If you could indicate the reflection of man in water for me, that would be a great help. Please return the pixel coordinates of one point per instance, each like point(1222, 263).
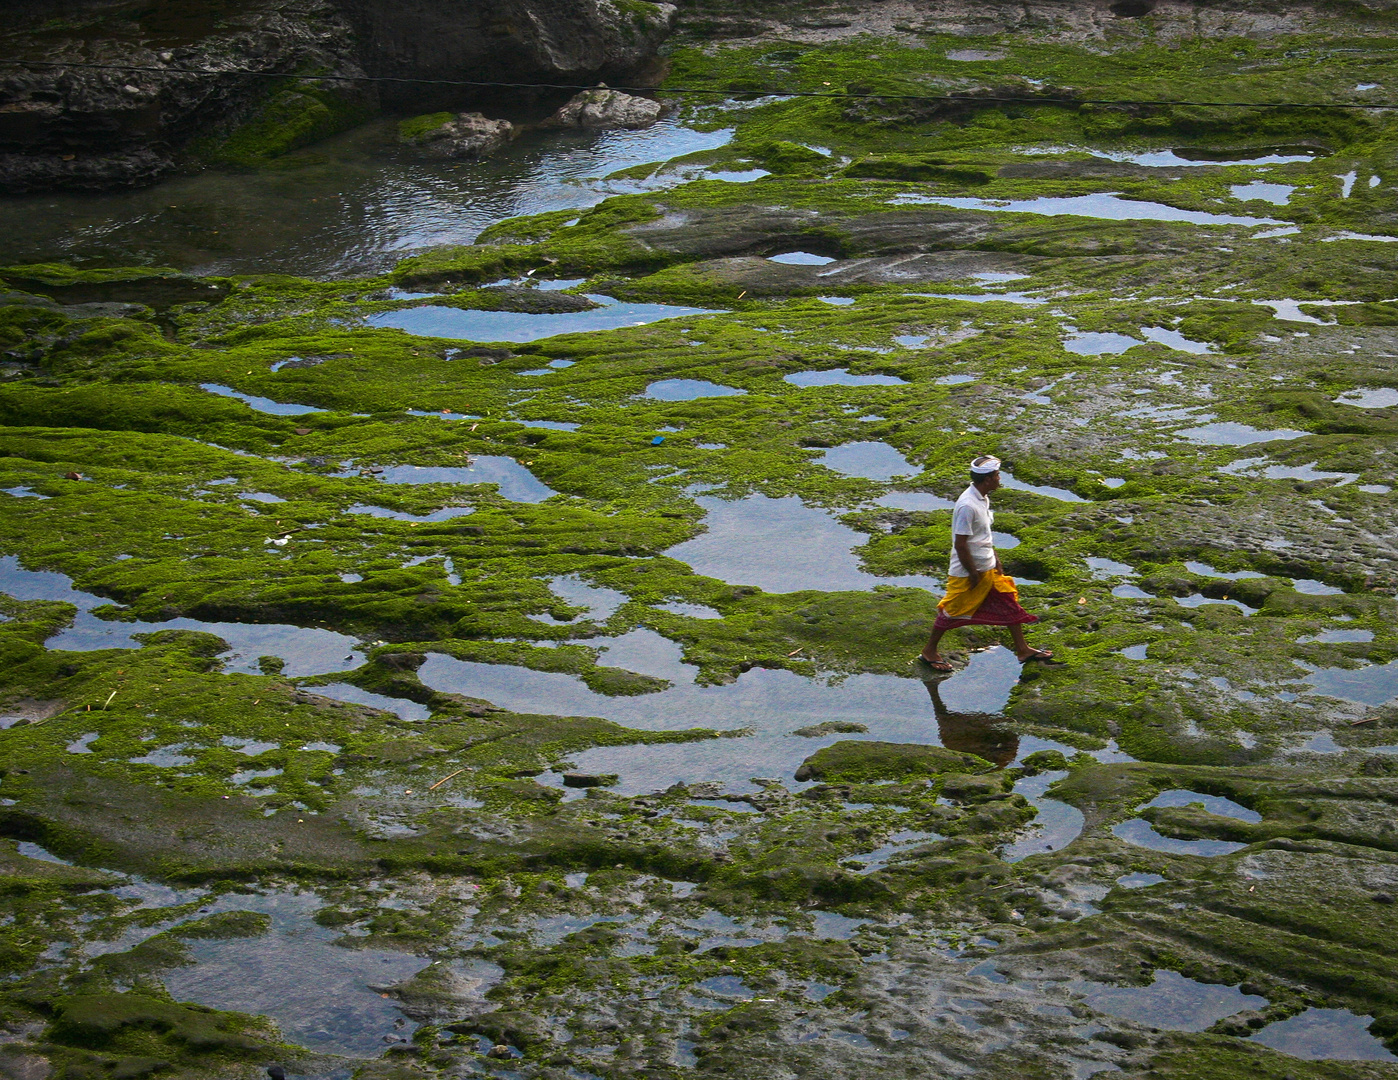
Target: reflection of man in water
point(979, 592)
point(972, 732)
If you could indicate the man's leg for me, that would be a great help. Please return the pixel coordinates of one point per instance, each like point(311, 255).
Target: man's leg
point(929, 652)
point(1022, 648)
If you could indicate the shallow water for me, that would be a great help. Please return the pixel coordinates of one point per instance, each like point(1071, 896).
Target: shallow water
point(1372, 685)
point(1175, 340)
point(1085, 344)
point(842, 377)
point(261, 404)
point(1214, 804)
point(1382, 397)
point(305, 650)
point(354, 204)
point(781, 545)
point(1007, 480)
point(1173, 159)
point(689, 390)
point(1057, 825)
point(801, 258)
point(444, 514)
point(1108, 206)
point(869, 460)
point(914, 500)
point(465, 324)
point(407, 710)
point(1173, 1001)
point(1325, 1034)
point(515, 482)
point(1228, 433)
point(1276, 194)
point(322, 996)
point(1140, 832)
point(771, 703)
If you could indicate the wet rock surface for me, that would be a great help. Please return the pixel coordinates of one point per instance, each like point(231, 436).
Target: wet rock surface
point(388, 705)
point(465, 135)
point(603, 108)
point(194, 83)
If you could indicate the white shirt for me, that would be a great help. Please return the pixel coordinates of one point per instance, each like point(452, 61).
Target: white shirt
point(973, 518)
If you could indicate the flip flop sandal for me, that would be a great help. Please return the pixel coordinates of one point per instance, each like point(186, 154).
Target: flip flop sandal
point(1042, 658)
point(941, 666)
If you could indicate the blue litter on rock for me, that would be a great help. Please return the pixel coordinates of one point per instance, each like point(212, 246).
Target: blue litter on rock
point(657, 440)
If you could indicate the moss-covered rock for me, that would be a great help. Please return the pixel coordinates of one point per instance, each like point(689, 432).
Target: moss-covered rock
point(864, 761)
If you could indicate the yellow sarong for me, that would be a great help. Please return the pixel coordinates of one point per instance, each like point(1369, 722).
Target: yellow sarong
point(962, 601)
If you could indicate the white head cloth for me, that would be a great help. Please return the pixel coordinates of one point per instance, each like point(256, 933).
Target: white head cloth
point(985, 466)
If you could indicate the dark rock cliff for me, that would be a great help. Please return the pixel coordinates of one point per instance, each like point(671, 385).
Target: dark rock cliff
point(523, 41)
point(284, 73)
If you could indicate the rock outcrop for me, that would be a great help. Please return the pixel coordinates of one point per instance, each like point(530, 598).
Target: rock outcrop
point(604, 108)
point(118, 94)
point(465, 135)
point(516, 41)
point(165, 83)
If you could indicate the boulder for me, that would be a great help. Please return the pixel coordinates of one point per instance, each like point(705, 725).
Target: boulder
point(467, 135)
point(603, 108)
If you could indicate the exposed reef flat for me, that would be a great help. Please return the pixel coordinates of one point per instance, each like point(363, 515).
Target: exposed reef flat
point(503, 664)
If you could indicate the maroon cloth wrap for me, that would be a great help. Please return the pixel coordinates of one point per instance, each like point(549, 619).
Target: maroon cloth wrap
point(999, 609)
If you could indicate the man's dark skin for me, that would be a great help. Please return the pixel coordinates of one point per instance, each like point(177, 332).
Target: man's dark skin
point(985, 485)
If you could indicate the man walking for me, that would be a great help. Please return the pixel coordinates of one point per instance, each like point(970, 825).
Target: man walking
point(979, 592)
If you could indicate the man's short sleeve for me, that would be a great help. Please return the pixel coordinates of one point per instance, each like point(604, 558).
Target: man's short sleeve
point(963, 521)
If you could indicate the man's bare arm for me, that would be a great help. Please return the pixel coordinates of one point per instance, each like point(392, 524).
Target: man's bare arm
point(962, 545)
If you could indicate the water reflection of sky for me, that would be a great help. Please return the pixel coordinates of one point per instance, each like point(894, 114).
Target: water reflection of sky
point(353, 204)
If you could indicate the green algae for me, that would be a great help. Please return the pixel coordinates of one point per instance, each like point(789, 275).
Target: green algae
point(423, 807)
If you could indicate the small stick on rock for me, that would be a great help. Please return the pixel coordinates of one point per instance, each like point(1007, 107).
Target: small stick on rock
point(444, 779)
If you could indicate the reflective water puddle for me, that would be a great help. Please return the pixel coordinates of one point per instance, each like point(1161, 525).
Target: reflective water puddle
point(355, 204)
point(781, 545)
point(464, 324)
point(1372, 685)
point(322, 996)
point(1109, 206)
point(1276, 194)
point(444, 514)
point(841, 377)
point(770, 703)
point(407, 710)
point(1214, 804)
point(914, 500)
point(1191, 157)
point(305, 650)
point(1140, 832)
point(1325, 1034)
point(801, 258)
point(1172, 1001)
point(869, 460)
point(1007, 480)
point(1175, 340)
point(261, 404)
point(1087, 344)
point(515, 482)
point(1056, 826)
point(1228, 433)
point(1383, 397)
point(689, 390)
